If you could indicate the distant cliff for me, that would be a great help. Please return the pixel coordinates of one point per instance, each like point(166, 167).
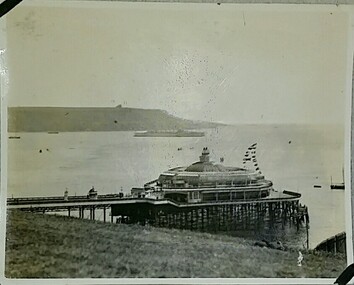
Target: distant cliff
point(60, 119)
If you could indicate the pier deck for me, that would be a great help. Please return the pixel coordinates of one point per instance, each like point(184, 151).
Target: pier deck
point(58, 203)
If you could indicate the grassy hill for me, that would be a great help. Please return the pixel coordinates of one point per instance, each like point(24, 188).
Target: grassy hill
point(44, 119)
point(46, 246)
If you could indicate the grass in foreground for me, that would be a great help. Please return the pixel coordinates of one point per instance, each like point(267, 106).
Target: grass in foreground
point(46, 246)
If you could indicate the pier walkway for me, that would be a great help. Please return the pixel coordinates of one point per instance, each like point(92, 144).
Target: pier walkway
point(58, 203)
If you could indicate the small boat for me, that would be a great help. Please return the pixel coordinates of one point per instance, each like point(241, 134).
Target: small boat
point(14, 137)
point(338, 186)
point(53, 133)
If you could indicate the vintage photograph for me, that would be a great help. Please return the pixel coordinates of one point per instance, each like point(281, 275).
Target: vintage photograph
point(176, 140)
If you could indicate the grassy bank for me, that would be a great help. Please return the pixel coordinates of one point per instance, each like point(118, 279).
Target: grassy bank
point(45, 246)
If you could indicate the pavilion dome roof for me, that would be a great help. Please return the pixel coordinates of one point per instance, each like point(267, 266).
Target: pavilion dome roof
point(206, 166)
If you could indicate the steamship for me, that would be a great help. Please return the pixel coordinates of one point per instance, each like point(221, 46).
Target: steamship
point(169, 133)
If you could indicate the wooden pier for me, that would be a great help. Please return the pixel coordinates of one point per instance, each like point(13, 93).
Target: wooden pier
point(264, 215)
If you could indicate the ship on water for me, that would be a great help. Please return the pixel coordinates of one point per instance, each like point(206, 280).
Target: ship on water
point(169, 133)
point(339, 185)
point(206, 181)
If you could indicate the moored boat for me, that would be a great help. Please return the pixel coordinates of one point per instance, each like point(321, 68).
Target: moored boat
point(340, 185)
point(337, 186)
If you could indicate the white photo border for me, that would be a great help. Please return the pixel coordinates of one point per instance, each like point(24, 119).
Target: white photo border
point(349, 11)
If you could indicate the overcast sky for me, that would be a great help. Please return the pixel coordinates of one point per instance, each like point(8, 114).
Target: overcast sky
point(225, 63)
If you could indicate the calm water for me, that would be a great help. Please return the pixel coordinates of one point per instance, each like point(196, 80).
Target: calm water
point(294, 157)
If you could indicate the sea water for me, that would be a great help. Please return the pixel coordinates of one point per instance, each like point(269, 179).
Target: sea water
point(294, 157)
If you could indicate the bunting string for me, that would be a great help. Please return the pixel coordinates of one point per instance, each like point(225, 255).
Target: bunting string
point(250, 158)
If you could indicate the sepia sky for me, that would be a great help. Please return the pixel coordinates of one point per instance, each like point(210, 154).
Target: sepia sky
point(226, 63)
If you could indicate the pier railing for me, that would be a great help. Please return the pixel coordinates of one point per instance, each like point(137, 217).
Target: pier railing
point(334, 244)
point(58, 201)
